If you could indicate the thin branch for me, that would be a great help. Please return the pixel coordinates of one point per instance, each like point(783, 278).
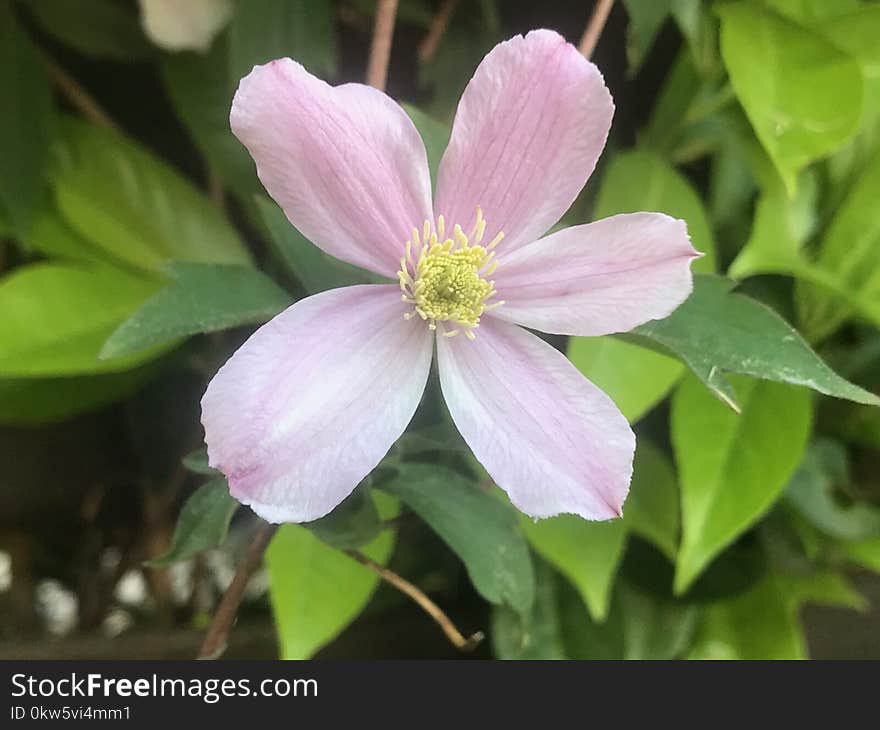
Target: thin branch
point(79, 98)
point(428, 46)
point(380, 50)
point(215, 639)
point(595, 27)
point(427, 605)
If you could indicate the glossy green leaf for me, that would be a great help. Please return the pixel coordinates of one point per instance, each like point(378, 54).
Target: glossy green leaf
point(777, 245)
point(587, 553)
point(201, 88)
point(315, 270)
point(660, 188)
point(807, 99)
point(200, 298)
point(817, 491)
point(732, 467)
point(56, 317)
point(850, 251)
point(315, 589)
point(482, 530)
point(781, 227)
point(635, 377)
point(351, 524)
point(640, 626)
point(96, 28)
point(203, 522)
point(26, 124)
point(763, 623)
point(124, 199)
point(263, 30)
point(652, 508)
point(53, 238)
point(716, 331)
point(535, 634)
point(38, 401)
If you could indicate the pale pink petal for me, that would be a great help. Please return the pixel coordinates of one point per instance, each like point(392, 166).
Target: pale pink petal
point(529, 128)
point(547, 436)
point(310, 404)
point(345, 163)
point(603, 277)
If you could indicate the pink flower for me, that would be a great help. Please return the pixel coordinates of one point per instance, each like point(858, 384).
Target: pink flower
point(313, 401)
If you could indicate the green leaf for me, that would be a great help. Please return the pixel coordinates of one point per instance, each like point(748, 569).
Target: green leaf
point(37, 401)
point(646, 17)
point(202, 524)
point(781, 227)
point(635, 378)
point(57, 316)
point(96, 28)
point(316, 590)
point(435, 135)
point(641, 625)
point(864, 552)
point(823, 471)
point(661, 188)
point(763, 622)
point(482, 530)
point(201, 298)
point(807, 98)
point(651, 510)
point(201, 88)
point(759, 624)
point(263, 30)
point(850, 251)
point(587, 553)
point(535, 634)
point(197, 462)
point(315, 270)
point(53, 238)
point(421, 441)
point(716, 331)
point(353, 523)
point(26, 124)
point(125, 200)
point(732, 467)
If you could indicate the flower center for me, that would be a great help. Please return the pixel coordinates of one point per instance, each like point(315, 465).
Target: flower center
point(445, 279)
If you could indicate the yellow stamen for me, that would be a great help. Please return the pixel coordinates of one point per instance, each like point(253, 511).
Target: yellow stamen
point(446, 279)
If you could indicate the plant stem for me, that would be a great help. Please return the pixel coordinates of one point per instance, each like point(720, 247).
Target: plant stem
point(595, 26)
point(380, 50)
point(79, 98)
point(428, 46)
point(215, 639)
point(427, 605)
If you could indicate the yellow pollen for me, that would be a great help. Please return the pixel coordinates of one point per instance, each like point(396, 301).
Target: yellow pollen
point(446, 279)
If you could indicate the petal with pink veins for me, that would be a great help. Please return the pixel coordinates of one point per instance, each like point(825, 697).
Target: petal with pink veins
point(529, 128)
point(595, 279)
point(310, 404)
point(345, 163)
point(547, 436)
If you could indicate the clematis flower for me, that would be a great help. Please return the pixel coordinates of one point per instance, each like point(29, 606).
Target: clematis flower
point(313, 401)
